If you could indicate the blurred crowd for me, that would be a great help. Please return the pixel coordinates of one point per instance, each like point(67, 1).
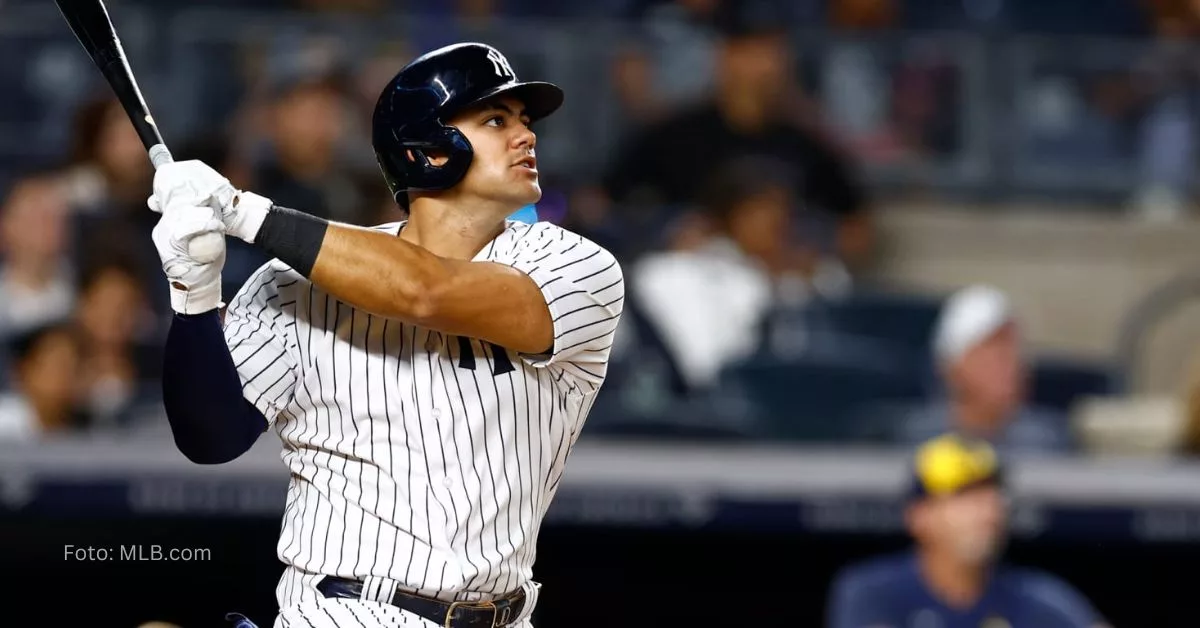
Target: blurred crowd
point(736, 198)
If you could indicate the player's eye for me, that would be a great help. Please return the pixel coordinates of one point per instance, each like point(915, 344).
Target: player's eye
point(496, 120)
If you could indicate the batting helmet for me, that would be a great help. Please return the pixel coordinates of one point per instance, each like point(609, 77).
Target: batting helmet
point(412, 112)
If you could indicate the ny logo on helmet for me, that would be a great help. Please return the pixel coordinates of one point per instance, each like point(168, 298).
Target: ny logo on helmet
point(500, 64)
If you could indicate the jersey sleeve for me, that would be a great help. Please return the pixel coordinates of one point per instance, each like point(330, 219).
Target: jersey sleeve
point(256, 331)
point(584, 288)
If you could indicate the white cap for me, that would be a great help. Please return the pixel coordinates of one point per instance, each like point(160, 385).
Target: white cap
point(969, 317)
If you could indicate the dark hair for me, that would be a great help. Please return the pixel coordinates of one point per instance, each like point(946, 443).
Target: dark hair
point(109, 260)
point(744, 178)
point(23, 344)
point(87, 124)
point(735, 19)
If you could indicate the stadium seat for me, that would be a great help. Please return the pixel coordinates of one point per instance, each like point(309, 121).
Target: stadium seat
point(1058, 383)
point(906, 320)
point(816, 397)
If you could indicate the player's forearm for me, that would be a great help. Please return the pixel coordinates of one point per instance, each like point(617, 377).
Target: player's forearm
point(202, 393)
point(371, 270)
point(379, 273)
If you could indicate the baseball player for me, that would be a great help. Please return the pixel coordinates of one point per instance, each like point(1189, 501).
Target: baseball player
point(427, 378)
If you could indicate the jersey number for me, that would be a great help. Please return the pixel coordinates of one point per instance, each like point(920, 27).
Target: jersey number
point(466, 357)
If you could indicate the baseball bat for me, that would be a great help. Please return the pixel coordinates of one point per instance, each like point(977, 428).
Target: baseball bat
point(90, 22)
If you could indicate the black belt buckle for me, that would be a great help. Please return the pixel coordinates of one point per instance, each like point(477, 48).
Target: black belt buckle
point(500, 617)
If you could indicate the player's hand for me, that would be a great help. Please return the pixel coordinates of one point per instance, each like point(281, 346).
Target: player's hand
point(196, 183)
point(190, 182)
point(195, 287)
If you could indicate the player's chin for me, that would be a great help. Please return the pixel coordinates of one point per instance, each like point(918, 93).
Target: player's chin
point(528, 191)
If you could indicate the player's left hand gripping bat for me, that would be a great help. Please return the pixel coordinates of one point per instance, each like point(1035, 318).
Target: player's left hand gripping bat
point(90, 22)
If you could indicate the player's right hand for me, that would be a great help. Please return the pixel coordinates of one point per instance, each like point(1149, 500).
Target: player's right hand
point(196, 183)
point(195, 286)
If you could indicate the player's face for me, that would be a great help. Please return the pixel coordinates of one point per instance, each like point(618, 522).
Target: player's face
point(504, 168)
point(971, 525)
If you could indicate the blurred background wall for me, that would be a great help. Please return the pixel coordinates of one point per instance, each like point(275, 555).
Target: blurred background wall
point(794, 189)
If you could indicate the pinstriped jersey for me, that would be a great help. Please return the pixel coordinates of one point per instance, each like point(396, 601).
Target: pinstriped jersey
point(416, 457)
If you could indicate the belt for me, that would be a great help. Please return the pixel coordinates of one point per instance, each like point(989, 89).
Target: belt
point(482, 614)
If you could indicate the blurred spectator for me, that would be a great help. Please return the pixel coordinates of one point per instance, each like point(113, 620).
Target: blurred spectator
point(120, 342)
point(890, 107)
point(671, 63)
point(107, 180)
point(305, 122)
point(708, 301)
point(108, 171)
point(854, 83)
point(956, 513)
point(1168, 98)
point(978, 353)
point(750, 113)
point(43, 399)
point(863, 15)
point(1175, 19)
point(36, 284)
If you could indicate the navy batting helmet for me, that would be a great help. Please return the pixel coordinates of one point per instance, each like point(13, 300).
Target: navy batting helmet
point(412, 112)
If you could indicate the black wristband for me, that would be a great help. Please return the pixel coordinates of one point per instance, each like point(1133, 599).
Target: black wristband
point(293, 237)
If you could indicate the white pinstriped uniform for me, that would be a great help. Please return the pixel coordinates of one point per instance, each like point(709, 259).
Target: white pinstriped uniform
point(418, 459)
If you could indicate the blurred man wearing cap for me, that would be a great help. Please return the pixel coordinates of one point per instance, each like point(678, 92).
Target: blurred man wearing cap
point(977, 347)
point(953, 578)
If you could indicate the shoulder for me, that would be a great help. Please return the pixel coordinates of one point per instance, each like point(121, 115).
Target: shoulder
point(873, 577)
point(542, 241)
point(1051, 594)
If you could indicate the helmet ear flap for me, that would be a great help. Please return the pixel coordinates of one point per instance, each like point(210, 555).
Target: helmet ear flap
point(456, 148)
point(408, 164)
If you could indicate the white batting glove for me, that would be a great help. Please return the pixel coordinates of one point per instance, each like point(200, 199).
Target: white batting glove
point(193, 182)
point(195, 287)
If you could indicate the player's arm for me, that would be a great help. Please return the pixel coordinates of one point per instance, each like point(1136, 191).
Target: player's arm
point(388, 276)
point(211, 421)
point(556, 298)
point(202, 392)
point(525, 306)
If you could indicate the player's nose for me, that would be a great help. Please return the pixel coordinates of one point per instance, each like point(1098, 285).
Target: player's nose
point(525, 138)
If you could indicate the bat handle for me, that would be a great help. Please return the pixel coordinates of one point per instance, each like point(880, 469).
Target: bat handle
point(159, 155)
